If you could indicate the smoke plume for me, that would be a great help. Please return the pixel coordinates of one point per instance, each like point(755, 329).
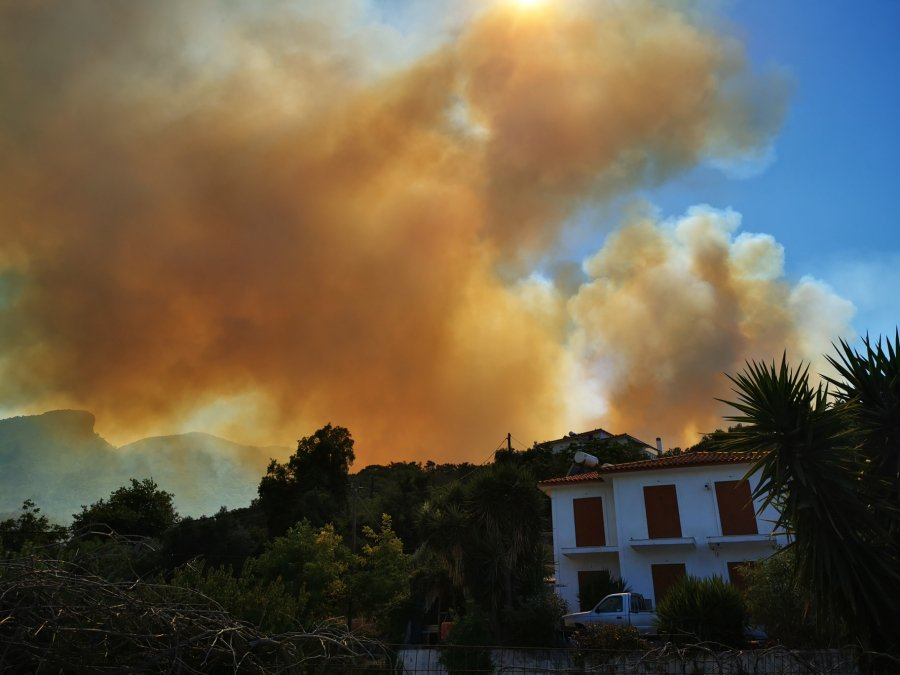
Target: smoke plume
point(256, 219)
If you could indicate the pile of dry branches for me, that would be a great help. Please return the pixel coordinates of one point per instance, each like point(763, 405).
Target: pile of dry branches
point(57, 616)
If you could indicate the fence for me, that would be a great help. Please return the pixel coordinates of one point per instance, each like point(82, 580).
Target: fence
point(665, 660)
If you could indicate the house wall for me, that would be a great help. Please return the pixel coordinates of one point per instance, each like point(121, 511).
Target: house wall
point(568, 558)
point(629, 553)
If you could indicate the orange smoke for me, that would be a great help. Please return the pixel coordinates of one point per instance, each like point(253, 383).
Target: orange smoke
point(256, 222)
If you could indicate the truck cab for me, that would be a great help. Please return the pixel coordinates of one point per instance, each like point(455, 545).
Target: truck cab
point(618, 609)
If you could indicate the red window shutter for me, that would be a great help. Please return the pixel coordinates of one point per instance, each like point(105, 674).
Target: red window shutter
point(661, 503)
point(735, 507)
point(589, 530)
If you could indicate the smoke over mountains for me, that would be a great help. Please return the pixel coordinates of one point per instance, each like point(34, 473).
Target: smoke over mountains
point(258, 218)
point(57, 460)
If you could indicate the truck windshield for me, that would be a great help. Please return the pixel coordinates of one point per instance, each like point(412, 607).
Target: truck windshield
point(610, 604)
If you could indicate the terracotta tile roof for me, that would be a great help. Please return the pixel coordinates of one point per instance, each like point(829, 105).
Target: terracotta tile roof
point(675, 462)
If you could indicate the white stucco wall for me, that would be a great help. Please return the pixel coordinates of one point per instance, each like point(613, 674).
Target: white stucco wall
point(625, 516)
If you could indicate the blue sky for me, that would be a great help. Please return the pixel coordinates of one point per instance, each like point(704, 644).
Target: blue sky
point(830, 195)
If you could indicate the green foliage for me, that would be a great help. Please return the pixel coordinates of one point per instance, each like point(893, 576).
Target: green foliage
point(831, 464)
point(704, 610)
point(312, 484)
point(597, 586)
point(30, 530)
point(487, 534)
point(467, 647)
point(399, 490)
point(540, 460)
point(776, 600)
point(613, 450)
point(265, 604)
point(535, 621)
point(226, 539)
point(380, 578)
point(610, 638)
point(139, 510)
point(312, 564)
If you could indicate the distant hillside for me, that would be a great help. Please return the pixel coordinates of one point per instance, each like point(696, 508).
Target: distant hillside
point(58, 460)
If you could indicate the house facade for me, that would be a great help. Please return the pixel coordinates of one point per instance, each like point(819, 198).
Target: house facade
point(651, 522)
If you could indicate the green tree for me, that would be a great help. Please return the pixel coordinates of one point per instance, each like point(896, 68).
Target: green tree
point(29, 529)
point(141, 509)
point(225, 539)
point(312, 484)
point(487, 535)
point(614, 450)
point(776, 600)
point(380, 578)
point(313, 564)
point(829, 461)
point(266, 604)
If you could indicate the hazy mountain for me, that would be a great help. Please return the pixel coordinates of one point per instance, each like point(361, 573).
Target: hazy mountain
point(58, 460)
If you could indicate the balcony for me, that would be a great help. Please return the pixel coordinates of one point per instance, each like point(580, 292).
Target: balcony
point(716, 543)
point(675, 543)
point(578, 551)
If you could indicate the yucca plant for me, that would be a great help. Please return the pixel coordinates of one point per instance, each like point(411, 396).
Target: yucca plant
point(703, 610)
point(829, 460)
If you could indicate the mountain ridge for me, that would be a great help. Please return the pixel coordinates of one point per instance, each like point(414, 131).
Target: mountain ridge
point(57, 459)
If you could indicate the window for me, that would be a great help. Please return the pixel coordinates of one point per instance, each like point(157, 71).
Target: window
point(661, 504)
point(735, 507)
point(589, 530)
point(613, 604)
point(664, 577)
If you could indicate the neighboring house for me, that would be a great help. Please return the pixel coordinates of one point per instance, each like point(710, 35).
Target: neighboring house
point(575, 441)
point(653, 521)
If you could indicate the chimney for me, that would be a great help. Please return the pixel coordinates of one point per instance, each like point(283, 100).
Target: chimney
point(659, 449)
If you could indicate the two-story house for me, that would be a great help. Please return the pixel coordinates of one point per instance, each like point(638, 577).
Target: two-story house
point(651, 522)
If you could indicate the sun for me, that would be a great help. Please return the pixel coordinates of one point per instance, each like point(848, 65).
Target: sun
point(528, 4)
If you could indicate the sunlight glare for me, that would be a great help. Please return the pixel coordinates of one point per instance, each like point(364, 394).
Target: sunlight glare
point(528, 4)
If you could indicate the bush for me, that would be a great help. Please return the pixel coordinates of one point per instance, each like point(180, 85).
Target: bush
point(610, 638)
point(777, 601)
point(535, 622)
point(467, 648)
point(267, 605)
point(703, 610)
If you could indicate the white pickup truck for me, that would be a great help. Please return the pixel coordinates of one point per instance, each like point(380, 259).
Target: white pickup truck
point(622, 609)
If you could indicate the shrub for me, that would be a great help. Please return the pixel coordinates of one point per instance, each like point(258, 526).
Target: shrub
point(777, 601)
point(467, 648)
point(535, 622)
point(705, 610)
point(610, 638)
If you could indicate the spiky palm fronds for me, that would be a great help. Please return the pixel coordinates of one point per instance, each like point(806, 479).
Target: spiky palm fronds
point(815, 457)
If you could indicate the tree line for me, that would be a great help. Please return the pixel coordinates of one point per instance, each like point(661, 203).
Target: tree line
point(392, 551)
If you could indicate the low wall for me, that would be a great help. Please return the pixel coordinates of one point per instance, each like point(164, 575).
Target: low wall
point(663, 661)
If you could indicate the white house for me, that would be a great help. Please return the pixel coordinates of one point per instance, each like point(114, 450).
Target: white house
point(653, 521)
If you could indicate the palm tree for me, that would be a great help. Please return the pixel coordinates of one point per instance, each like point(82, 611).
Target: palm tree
point(829, 461)
point(486, 533)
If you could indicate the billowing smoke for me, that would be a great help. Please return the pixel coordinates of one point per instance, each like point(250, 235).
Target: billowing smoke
point(672, 306)
point(257, 218)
